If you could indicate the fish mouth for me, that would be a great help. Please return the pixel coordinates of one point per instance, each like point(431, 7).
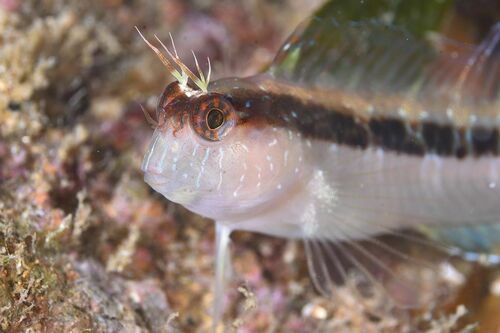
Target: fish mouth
point(155, 179)
point(171, 190)
point(162, 184)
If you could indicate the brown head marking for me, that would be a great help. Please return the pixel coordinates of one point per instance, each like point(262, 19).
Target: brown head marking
point(211, 115)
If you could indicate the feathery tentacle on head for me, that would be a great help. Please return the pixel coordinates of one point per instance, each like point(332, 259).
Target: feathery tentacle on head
point(151, 121)
point(183, 73)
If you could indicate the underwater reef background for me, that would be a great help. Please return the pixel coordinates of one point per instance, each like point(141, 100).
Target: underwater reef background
point(86, 246)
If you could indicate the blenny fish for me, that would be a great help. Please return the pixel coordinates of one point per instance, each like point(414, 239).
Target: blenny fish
point(357, 129)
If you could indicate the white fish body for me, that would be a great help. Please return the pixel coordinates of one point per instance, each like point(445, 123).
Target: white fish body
point(282, 166)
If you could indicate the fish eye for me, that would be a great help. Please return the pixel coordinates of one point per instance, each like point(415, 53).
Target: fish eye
point(215, 118)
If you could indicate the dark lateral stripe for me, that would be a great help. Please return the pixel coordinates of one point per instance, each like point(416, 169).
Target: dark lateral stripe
point(440, 139)
point(484, 140)
point(342, 127)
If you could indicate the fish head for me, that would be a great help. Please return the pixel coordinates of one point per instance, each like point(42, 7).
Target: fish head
point(216, 154)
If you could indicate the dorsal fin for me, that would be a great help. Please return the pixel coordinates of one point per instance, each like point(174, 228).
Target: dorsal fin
point(480, 77)
point(381, 62)
point(357, 55)
point(415, 16)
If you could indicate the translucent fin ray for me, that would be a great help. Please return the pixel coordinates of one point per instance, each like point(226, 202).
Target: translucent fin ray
point(396, 265)
point(481, 73)
point(381, 62)
point(222, 262)
point(370, 268)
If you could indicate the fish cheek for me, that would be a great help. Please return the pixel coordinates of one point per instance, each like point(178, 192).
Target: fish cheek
point(271, 159)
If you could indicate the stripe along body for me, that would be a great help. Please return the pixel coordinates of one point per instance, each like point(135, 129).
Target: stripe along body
point(356, 130)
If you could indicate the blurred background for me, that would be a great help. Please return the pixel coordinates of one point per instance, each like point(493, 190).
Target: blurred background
point(86, 246)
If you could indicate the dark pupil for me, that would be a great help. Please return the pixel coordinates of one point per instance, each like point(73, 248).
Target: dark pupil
point(215, 118)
